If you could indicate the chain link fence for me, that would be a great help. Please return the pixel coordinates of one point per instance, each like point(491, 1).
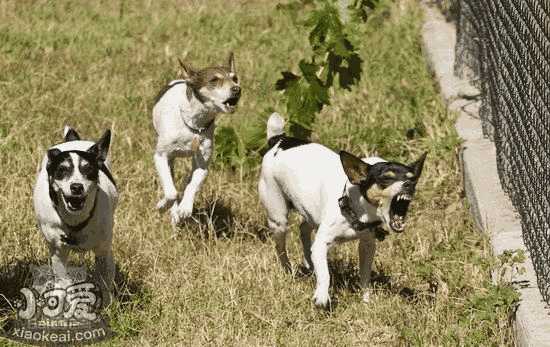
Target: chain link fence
point(503, 47)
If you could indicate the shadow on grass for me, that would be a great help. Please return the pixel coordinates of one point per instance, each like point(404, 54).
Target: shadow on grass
point(13, 276)
point(126, 290)
point(18, 274)
point(345, 277)
point(217, 220)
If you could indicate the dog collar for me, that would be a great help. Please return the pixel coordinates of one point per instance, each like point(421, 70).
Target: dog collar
point(348, 212)
point(199, 131)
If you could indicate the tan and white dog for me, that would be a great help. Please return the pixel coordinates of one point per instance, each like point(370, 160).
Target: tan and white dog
point(345, 198)
point(184, 118)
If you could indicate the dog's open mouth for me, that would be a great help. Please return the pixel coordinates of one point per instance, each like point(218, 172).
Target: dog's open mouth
point(398, 211)
point(75, 203)
point(231, 103)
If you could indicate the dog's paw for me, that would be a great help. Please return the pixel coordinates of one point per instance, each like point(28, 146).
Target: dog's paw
point(175, 217)
point(185, 209)
point(321, 300)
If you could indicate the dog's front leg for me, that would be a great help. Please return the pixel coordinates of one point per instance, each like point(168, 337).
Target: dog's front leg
point(198, 175)
point(163, 166)
point(58, 258)
point(319, 252)
point(367, 248)
point(305, 237)
point(105, 271)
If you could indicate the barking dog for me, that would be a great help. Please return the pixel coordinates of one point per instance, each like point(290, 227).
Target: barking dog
point(183, 117)
point(341, 196)
point(75, 198)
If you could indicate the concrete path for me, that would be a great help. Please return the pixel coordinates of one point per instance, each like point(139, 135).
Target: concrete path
point(491, 208)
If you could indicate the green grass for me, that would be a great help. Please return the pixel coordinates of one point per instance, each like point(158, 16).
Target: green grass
point(97, 65)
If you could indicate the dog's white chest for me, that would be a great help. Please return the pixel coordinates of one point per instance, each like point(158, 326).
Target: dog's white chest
point(187, 144)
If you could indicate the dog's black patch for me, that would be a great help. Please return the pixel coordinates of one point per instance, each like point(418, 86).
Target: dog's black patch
point(286, 142)
point(58, 172)
point(72, 135)
point(166, 88)
point(69, 239)
point(376, 175)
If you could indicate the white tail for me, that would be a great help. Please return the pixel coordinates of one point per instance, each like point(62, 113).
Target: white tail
point(275, 125)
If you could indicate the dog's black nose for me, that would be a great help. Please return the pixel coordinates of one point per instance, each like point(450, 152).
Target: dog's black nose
point(77, 188)
point(236, 90)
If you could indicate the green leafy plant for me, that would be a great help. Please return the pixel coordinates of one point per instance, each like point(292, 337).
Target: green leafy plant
point(510, 263)
point(334, 61)
point(497, 300)
point(334, 57)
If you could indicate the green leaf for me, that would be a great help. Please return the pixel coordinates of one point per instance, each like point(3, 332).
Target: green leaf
point(287, 79)
point(227, 145)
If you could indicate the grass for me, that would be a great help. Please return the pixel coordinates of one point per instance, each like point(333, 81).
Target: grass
point(97, 65)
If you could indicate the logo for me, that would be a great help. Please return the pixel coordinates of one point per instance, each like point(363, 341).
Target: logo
point(58, 311)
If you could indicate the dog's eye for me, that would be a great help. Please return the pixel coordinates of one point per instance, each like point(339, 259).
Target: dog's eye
point(86, 169)
point(214, 79)
point(62, 172)
point(385, 181)
point(235, 79)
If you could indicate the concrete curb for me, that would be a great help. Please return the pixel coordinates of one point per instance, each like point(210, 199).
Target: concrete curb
point(491, 208)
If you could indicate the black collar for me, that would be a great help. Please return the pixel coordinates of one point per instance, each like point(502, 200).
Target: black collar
point(351, 216)
point(199, 131)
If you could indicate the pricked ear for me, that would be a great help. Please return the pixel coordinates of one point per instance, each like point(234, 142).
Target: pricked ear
point(52, 156)
point(53, 153)
point(231, 63)
point(356, 169)
point(187, 71)
point(101, 147)
point(418, 165)
point(70, 134)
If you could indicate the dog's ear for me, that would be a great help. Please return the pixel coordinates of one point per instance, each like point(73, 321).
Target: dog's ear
point(52, 156)
point(70, 134)
point(101, 147)
point(418, 165)
point(53, 153)
point(356, 169)
point(187, 71)
point(231, 62)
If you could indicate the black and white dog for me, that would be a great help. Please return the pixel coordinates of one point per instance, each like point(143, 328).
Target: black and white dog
point(341, 196)
point(183, 117)
point(75, 197)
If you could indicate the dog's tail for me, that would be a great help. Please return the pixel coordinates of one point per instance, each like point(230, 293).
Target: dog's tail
point(275, 125)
